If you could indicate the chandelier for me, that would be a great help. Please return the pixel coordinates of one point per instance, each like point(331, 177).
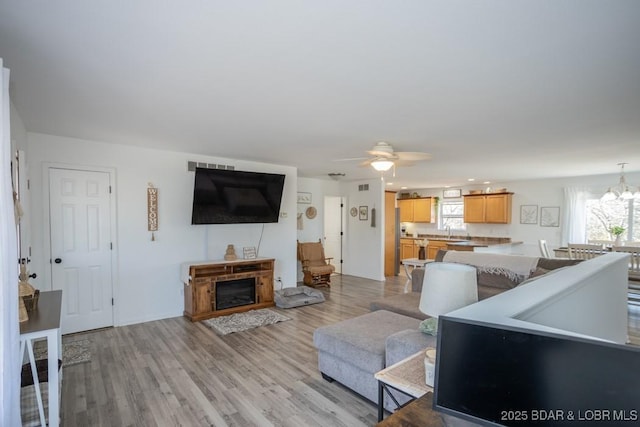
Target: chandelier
point(621, 190)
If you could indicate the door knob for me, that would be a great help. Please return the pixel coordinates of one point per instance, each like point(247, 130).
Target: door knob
point(57, 260)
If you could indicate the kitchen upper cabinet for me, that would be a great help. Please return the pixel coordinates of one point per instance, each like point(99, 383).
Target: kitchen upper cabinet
point(488, 208)
point(415, 210)
point(474, 209)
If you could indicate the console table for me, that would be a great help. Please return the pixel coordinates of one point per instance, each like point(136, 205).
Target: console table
point(44, 322)
point(203, 281)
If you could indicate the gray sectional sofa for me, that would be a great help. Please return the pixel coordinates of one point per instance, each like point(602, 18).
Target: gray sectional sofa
point(353, 350)
point(489, 284)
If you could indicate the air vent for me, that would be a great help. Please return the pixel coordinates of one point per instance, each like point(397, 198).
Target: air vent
point(363, 187)
point(191, 166)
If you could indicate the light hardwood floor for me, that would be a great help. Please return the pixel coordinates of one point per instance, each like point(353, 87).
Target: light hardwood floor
point(173, 372)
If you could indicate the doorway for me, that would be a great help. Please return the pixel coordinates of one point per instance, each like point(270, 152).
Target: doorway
point(80, 230)
point(333, 230)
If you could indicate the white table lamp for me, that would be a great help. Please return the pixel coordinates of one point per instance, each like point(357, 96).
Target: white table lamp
point(446, 287)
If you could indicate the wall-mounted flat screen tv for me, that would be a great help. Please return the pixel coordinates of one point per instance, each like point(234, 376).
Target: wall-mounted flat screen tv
point(222, 196)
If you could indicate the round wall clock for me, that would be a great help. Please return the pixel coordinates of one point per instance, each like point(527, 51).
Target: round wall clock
point(311, 212)
point(354, 211)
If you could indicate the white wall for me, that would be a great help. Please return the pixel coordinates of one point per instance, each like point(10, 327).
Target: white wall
point(147, 282)
point(313, 229)
point(364, 249)
point(544, 192)
point(19, 142)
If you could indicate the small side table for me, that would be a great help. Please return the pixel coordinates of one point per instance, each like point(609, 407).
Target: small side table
point(413, 263)
point(407, 376)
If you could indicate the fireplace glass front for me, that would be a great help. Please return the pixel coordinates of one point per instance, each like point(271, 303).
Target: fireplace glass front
point(234, 293)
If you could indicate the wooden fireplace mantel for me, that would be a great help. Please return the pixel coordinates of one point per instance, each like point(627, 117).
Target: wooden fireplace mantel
point(201, 278)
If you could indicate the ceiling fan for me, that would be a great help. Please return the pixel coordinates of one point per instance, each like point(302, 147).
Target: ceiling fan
point(383, 157)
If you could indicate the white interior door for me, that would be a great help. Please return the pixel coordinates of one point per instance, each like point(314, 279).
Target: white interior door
point(333, 207)
point(80, 227)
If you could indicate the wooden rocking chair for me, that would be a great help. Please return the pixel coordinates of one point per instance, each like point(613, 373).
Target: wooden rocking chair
point(316, 268)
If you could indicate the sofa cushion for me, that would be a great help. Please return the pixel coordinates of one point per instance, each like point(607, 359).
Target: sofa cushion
point(361, 340)
point(553, 263)
point(405, 343)
point(485, 279)
point(405, 304)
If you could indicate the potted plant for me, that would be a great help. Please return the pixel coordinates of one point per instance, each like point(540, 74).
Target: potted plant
point(617, 230)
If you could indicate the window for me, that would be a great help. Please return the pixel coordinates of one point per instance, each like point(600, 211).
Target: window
point(452, 215)
point(601, 216)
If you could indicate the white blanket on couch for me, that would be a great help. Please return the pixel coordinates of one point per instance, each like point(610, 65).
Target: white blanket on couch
point(506, 265)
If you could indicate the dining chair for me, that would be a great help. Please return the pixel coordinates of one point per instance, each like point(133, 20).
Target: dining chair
point(634, 261)
point(584, 251)
point(601, 242)
point(544, 249)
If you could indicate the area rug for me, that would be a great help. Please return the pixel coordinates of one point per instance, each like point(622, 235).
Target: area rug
point(73, 352)
point(243, 321)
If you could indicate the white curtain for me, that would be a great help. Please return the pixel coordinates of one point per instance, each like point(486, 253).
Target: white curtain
point(9, 330)
point(574, 215)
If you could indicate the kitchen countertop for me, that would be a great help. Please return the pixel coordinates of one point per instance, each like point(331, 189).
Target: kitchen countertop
point(481, 244)
point(475, 241)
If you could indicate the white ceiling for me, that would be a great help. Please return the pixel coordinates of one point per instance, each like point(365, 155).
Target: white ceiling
point(495, 90)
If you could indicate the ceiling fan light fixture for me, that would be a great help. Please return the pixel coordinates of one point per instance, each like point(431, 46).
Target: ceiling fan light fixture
point(382, 165)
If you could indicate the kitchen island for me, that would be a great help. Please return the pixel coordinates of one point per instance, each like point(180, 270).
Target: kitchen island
point(471, 245)
point(459, 243)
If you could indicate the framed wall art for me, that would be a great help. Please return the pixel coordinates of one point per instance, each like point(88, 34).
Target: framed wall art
point(550, 216)
point(364, 213)
point(304, 198)
point(451, 194)
point(528, 214)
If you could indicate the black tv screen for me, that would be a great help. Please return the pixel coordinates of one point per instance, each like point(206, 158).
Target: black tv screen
point(506, 376)
point(222, 196)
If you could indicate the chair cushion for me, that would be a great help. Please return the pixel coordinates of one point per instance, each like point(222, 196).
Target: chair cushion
point(324, 269)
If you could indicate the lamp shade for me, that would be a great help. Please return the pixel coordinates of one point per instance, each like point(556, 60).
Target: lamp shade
point(446, 287)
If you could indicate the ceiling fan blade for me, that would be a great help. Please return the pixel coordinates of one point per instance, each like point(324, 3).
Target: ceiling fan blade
point(386, 154)
point(366, 163)
point(349, 159)
point(413, 156)
point(403, 163)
